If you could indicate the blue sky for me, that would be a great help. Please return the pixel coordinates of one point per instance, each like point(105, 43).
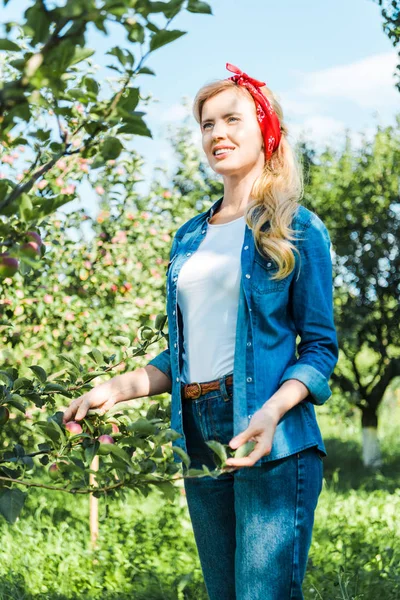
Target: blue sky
point(330, 64)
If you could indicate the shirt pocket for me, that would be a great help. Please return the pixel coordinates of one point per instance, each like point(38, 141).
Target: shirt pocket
point(263, 271)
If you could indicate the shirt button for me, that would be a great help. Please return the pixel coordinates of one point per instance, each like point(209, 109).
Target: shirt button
point(247, 276)
point(175, 345)
point(188, 253)
point(173, 312)
point(203, 231)
point(246, 247)
point(249, 416)
point(175, 278)
point(180, 412)
point(249, 343)
point(177, 378)
point(269, 264)
point(249, 380)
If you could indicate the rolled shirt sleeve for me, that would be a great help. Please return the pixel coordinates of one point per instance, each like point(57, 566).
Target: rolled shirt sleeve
point(311, 308)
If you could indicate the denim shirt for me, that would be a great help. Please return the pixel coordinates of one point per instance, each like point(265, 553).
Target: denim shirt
point(271, 314)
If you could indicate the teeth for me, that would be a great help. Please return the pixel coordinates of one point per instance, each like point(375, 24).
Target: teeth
point(223, 150)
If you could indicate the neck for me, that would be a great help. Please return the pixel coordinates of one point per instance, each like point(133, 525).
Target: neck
point(237, 191)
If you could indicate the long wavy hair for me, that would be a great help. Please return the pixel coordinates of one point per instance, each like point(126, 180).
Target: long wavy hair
point(275, 193)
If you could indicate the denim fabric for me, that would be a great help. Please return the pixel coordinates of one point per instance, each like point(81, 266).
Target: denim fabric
point(271, 314)
point(252, 526)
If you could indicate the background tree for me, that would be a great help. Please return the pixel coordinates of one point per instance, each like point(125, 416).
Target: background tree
point(64, 127)
point(391, 26)
point(356, 193)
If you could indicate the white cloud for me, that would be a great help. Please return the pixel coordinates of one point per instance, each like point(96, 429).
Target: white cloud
point(369, 82)
point(318, 128)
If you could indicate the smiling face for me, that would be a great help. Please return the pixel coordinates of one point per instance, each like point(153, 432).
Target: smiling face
point(229, 121)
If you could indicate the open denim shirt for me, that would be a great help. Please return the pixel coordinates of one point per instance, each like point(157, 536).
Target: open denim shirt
point(270, 316)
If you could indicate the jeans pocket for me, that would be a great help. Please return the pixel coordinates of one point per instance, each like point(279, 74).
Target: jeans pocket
point(220, 413)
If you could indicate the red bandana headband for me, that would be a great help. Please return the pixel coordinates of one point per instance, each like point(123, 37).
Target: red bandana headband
point(266, 116)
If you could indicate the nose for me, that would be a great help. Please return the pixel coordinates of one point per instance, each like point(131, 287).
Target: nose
point(218, 132)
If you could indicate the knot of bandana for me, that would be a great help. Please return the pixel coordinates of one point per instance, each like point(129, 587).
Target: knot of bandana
point(266, 116)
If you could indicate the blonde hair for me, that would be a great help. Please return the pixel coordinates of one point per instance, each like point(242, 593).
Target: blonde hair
point(275, 192)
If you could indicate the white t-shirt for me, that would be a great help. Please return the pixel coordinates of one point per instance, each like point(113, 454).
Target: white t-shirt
point(208, 297)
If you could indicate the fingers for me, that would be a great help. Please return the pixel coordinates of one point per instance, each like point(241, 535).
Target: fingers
point(73, 410)
point(107, 406)
point(82, 410)
point(258, 452)
point(69, 413)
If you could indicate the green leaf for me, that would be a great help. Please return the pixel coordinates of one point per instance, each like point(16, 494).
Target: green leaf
point(182, 454)
point(96, 355)
point(146, 71)
point(135, 126)
point(56, 387)
point(72, 361)
point(11, 503)
point(90, 452)
point(136, 33)
point(121, 340)
point(92, 85)
point(21, 382)
point(142, 427)
point(195, 6)
point(219, 450)
point(25, 208)
point(152, 412)
point(50, 429)
point(15, 402)
point(129, 101)
point(160, 321)
point(164, 37)
point(168, 489)
point(245, 449)
point(6, 378)
point(39, 372)
point(119, 453)
point(111, 148)
point(81, 54)
point(8, 45)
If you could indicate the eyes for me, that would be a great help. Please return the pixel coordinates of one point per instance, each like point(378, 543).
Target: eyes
point(206, 124)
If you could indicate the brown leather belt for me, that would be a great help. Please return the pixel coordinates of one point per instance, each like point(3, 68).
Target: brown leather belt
point(192, 391)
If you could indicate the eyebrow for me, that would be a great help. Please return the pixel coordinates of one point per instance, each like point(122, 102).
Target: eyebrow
point(230, 114)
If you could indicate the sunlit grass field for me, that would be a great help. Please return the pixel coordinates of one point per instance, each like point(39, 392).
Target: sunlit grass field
point(147, 551)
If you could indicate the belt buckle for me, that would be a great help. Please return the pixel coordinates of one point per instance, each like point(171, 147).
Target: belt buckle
point(199, 394)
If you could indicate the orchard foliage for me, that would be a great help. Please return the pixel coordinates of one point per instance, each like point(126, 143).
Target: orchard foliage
point(66, 128)
point(390, 10)
point(54, 109)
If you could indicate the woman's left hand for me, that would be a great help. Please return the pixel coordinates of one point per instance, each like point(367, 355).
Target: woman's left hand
point(261, 429)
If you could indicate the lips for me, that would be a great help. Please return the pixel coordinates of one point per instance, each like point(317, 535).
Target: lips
point(223, 151)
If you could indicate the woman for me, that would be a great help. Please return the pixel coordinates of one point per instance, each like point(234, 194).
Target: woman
point(244, 279)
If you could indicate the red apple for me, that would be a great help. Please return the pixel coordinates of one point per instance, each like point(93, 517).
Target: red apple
point(30, 249)
point(8, 265)
point(106, 441)
point(73, 427)
point(115, 428)
point(4, 415)
point(34, 237)
point(54, 471)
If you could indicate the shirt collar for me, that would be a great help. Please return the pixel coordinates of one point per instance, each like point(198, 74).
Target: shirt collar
point(213, 209)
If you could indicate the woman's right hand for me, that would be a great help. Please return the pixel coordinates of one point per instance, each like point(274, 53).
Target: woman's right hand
point(99, 398)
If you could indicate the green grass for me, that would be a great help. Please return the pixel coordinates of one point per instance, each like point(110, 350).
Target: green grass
point(147, 550)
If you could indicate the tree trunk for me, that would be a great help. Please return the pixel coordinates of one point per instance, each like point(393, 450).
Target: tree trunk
point(371, 447)
point(94, 505)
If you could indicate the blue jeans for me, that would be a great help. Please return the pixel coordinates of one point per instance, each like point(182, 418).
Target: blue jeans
point(252, 526)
